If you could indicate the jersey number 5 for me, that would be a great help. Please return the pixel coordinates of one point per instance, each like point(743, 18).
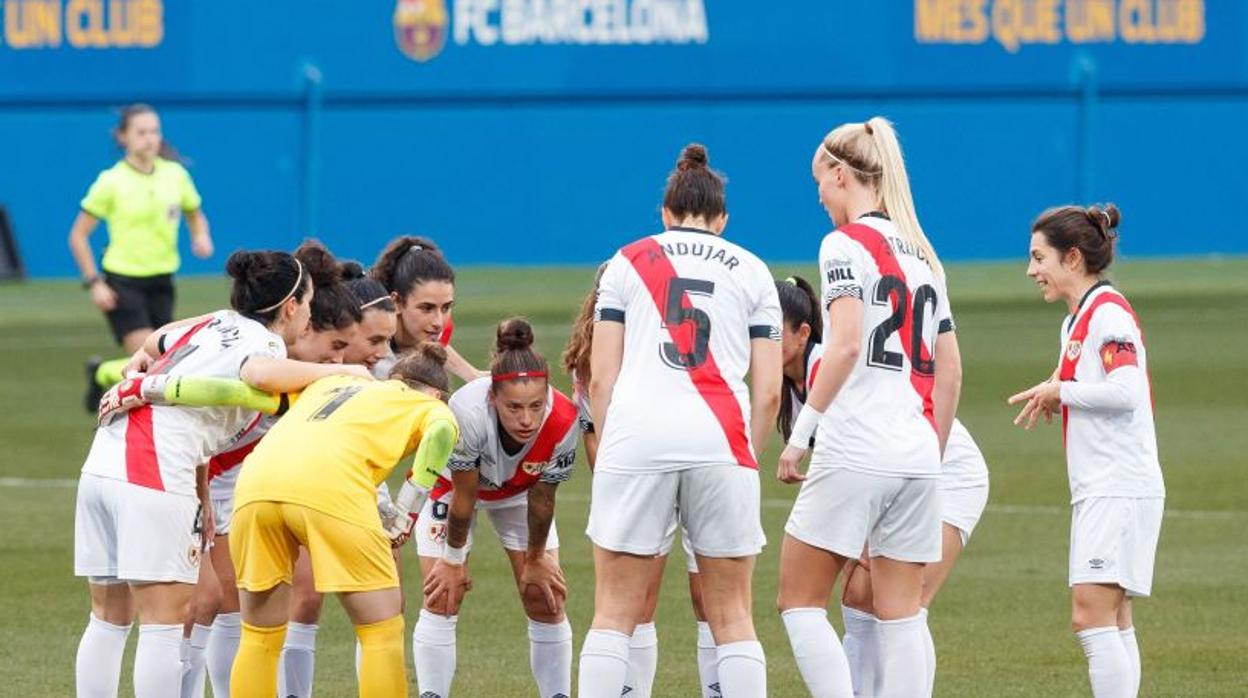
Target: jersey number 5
point(680, 319)
point(891, 289)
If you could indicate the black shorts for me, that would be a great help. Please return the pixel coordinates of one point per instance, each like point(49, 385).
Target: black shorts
point(142, 301)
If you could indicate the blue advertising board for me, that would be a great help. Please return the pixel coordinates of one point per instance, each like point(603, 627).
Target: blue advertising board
point(540, 131)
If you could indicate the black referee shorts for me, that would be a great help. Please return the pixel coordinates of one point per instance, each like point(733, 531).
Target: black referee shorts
point(142, 301)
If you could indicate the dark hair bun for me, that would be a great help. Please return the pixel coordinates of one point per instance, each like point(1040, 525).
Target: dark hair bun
point(241, 263)
point(693, 157)
point(432, 351)
point(351, 270)
point(515, 334)
point(1106, 218)
point(319, 263)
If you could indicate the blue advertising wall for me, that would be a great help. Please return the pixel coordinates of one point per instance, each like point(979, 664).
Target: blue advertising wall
point(541, 131)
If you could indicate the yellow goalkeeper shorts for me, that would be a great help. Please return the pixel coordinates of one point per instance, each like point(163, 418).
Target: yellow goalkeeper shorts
point(265, 539)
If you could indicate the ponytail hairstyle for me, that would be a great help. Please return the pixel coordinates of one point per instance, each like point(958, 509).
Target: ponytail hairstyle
point(514, 358)
point(1092, 230)
point(333, 305)
point(872, 154)
point(799, 305)
point(409, 261)
point(167, 151)
point(369, 293)
point(576, 353)
point(693, 188)
point(263, 281)
point(424, 365)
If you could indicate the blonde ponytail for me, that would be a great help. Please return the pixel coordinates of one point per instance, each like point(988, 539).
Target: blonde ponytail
point(872, 152)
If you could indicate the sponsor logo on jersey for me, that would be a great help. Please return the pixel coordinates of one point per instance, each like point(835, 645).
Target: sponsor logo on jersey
point(533, 468)
point(836, 274)
point(1073, 349)
point(420, 28)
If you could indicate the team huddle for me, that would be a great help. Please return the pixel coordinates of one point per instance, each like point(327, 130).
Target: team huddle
point(238, 471)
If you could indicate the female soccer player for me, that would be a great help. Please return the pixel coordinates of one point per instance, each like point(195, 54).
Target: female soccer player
point(681, 316)
point(312, 483)
point(422, 284)
point(883, 401)
point(334, 318)
point(643, 646)
point(142, 198)
point(517, 442)
point(136, 521)
point(963, 489)
point(1103, 393)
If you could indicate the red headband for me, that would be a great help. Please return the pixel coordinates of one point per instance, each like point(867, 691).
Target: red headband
point(518, 374)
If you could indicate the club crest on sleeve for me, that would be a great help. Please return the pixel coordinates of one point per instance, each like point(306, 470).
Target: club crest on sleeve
point(534, 467)
point(1074, 349)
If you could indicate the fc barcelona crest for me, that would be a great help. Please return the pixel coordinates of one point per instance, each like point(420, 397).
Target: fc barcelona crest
point(1073, 349)
point(420, 28)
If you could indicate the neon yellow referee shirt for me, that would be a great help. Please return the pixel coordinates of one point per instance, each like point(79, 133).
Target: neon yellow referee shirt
point(143, 212)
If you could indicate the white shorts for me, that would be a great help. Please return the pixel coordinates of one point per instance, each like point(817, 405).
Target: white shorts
point(718, 507)
point(511, 523)
point(962, 507)
point(222, 512)
point(1113, 540)
point(134, 534)
point(691, 562)
point(840, 510)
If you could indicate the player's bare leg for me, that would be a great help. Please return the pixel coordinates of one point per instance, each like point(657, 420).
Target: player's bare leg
point(265, 614)
point(378, 622)
point(227, 629)
point(98, 663)
point(1095, 613)
point(298, 662)
point(162, 608)
point(728, 602)
point(643, 645)
point(550, 634)
point(433, 639)
point(205, 602)
point(621, 581)
point(807, 575)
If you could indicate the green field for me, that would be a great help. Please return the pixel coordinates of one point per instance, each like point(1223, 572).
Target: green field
point(1001, 626)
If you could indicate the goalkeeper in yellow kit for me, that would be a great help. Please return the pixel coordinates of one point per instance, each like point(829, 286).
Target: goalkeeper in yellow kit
point(312, 482)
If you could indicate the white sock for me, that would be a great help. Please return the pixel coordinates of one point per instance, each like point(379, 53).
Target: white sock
point(862, 648)
point(1132, 647)
point(604, 664)
point(820, 659)
point(359, 656)
point(929, 654)
point(194, 663)
point(902, 666)
point(433, 644)
point(707, 659)
point(298, 661)
point(742, 669)
point(550, 657)
point(158, 661)
point(643, 660)
point(98, 667)
point(227, 629)
point(1108, 666)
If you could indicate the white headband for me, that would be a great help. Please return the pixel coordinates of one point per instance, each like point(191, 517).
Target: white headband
point(826, 151)
point(374, 301)
point(298, 283)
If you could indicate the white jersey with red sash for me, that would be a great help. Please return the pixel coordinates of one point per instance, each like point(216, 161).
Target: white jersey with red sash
point(691, 303)
point(223, 468)
point(159, 446)
point(505, 477)
point(881, 421)
point(1107, 411)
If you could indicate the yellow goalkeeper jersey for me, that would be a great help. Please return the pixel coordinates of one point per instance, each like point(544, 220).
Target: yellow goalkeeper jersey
point(340, 439)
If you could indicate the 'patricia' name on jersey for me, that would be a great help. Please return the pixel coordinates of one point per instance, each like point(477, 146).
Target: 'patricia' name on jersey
point(707, 252)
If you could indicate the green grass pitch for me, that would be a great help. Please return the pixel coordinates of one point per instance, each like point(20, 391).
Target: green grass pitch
point(1001, 625)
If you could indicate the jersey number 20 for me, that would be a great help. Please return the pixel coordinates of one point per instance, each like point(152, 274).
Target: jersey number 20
point(677, 317)
point(891, 289)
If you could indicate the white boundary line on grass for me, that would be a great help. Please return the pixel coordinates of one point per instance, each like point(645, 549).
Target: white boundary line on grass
point(770, 503)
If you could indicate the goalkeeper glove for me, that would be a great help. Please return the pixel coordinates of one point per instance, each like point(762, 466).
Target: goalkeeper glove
point(401, 517)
